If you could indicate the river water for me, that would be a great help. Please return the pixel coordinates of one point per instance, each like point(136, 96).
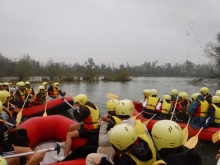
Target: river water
point(132, 90)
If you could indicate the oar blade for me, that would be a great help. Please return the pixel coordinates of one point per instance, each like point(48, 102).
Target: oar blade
point(191, 143)
point(216, 136)
point(185, 134)
point(112, 96)
point(45, 113)
point(18, 118)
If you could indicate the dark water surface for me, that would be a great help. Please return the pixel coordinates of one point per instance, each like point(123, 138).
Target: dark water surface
point(133, 90)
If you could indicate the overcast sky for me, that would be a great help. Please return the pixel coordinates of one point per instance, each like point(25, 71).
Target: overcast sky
point(109, 31)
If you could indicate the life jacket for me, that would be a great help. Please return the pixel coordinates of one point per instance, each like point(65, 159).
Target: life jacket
point(91, 122)
point(36, 100)
point(149, 162)
point(188, 103)
point(202, 110)
point(152, 103)
point(54, 93)
point(165, 107)
point(117, 120)
point(29, 90)
point(217, 114)
point(22, 95)
point(139, 128)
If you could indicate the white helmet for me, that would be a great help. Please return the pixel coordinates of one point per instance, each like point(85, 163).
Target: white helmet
point(217, 93)
point(167, 134)
point(122, 136)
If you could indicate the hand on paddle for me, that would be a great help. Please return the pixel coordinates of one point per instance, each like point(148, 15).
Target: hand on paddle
point(218, 155)
point(37, 157)
point(106, 118)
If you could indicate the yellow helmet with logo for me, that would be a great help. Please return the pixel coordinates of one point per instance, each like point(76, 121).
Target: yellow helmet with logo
point(146, 92)
point(217, 93)
point(153, 92)
point(166, 97)
point(215, 99)
point(44, 83)
point(195, 95)
point(167, 134)
point(204, 90)
point(81, 99)
point(124, 108)
point(27, 83)
point(174, 92)
point(3, 161)
point(111, 105)
point(3, 96)
point(41, 87)
point(1, 107)
point(122, 136)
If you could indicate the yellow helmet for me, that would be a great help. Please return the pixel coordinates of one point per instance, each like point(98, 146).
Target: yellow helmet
point(1, 107)
point(215, 99)
point(81, 99)
point(3, 96)
point(40, 88)
point(3, 161)
point(217, 93)
point(195, 95)
point(166, 97)
point(153, 92)
point(6, 84)
point(167, 134)
point(122, 136)
point(204, 90)
point(56, 84)
point(174, 92)
point(44, 83)
point(21, 84)
point(27, 83)
point(182, 94)
point(146, 92)
point(185, 95)
point(18, 84)
point(124, 108)
point(111, 104)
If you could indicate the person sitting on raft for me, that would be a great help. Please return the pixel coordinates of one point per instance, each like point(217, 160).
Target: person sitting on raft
point(164, 107)
point(21, 97)
point(204, 91)
point(54, 91)
point(39, 97)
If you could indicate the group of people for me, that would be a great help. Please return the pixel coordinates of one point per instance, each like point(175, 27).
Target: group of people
point(117, 137)
point(202, 111)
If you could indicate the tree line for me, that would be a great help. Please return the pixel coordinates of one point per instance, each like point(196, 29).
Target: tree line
point(25, 66)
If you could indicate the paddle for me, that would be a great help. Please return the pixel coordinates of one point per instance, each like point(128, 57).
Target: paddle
point(191, 143)
point(134, 117)
point(216, 136)
point(147, 121)
point(174, 108)
point(113, 96)
point(57, 148)
point(65, 91)
point(186, 132)
point(67, 102)
point(19, 115)
point(45, 110)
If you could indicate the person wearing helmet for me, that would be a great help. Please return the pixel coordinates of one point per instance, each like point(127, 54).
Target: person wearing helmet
point(152, 101)
point(168, 139)
point(217, 93)
point(124, 111)
point(205, 93)
point(9, 113)
point(86, 112)
point(54, 91)
point(45, 86)
point(213, 113)
point(181, 111)
point(92, 144)
point(39, 97)
point(198, 110)
point(127, 145)
point(174, 94)
point(164, 107)
point(20, 97)
point(6, 86)
point(146, 93)
point(1, 87)
point(29, 89)
point(7, 145)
